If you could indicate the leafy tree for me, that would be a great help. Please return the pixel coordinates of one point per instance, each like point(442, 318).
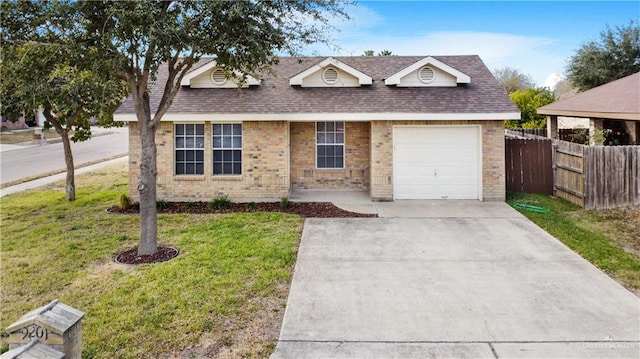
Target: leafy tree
point(141, 36)
point(65, 79)
point(512, 79)
point(615, 55)
point(528, 101)
point(381, 53)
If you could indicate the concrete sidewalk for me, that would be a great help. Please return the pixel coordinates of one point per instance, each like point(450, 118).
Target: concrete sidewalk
point(58, 177)
point(468, 286)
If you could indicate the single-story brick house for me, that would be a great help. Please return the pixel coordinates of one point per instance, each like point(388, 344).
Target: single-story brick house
point(398, 127)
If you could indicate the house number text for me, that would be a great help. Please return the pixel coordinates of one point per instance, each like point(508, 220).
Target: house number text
point(34, 331)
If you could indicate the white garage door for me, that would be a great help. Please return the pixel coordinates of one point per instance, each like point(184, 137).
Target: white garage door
point(432, 162)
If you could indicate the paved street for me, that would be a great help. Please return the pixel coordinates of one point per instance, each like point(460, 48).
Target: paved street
point(23, 161)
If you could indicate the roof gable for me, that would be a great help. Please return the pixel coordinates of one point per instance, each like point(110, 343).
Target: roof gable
point(428, 72)
point(211, 75)
point(318, 76)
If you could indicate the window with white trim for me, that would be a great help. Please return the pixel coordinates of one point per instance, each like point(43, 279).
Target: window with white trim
point(330, 144)
point(189, 149)
point(227, 149)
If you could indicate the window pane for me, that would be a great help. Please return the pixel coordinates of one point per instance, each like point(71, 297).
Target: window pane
point(237, 142)
point(321, 138)
point(339, 162)
point(180, 156)
point(321, 162)
point(199, 142)
point(329, 126)
point(339, 150)
point(320, 126)
point(330, 138)
point(330, 150)
point(227, 156)
point(226, 129)
point(340, 138)
point(217, 130)
point(227, 168)
point(237, 129)
point(237, 168)
point(237, 156)
point(190, 168)
point(200, 130)
point(190, 129)
point(179, 169)
point(190, 155)
point(330, 162)
point(179, 129)
point(200, 156)
point(217, 142)
point(190, 143)
point(179, 142)
point(321, 150)
point(226, 142)
point(217, 168)
point(217, 156)
point(339, 126)
point(200, 168)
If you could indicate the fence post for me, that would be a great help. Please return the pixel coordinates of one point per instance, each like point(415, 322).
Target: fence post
point(554, 164)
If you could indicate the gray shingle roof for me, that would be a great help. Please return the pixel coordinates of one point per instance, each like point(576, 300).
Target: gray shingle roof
point(483, 95)
point(619, 99)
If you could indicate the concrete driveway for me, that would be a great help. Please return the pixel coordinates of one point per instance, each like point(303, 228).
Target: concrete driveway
point(450, 279)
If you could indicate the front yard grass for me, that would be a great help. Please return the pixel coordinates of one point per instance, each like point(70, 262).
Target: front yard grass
point(223, 296)
point(610, 239)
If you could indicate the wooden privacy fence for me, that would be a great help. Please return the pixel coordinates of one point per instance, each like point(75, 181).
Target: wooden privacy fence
point(612, 176)
point(528, 165)
point(592, 177)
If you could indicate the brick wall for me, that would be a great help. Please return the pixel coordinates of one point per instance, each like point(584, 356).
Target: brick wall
point(493, 167)
point(355, 174)
point(265, 165)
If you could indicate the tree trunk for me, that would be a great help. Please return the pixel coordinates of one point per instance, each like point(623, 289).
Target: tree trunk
point(147, 190)
point(68, 160)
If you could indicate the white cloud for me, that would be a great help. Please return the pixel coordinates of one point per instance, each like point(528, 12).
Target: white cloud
point(533, 55)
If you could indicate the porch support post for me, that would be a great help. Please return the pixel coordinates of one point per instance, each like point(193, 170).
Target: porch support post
point(552, 127)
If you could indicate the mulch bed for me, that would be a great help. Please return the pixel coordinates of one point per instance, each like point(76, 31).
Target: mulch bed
point(307, 209)
point(131, 256)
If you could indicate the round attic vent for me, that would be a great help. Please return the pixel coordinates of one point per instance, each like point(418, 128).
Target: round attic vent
point(218, 77)
point(330, 75)
point(426, 74)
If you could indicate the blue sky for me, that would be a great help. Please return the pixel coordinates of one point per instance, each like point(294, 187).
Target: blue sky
point(536, 37)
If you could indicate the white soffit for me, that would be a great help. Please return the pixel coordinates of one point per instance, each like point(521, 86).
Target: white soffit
point(211, 66)
point(396, 78)
point(298, 79)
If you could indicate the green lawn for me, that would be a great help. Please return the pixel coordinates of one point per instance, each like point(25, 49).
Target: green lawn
point(224, 293)
point(609, 239)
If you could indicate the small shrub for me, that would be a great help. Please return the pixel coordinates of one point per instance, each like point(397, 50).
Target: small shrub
point(162, 204)
point(284, 202)
point(124, 201)
point(190, 206)
point(220, 202)
point(251, 206)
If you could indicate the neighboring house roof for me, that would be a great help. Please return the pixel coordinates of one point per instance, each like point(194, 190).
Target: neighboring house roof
point(480, 96)
point(619, 99)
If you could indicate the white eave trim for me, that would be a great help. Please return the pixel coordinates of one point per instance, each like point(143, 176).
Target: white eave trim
point(461, 78)
point(363, 79)
point(327, 116)
point(186, 80)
